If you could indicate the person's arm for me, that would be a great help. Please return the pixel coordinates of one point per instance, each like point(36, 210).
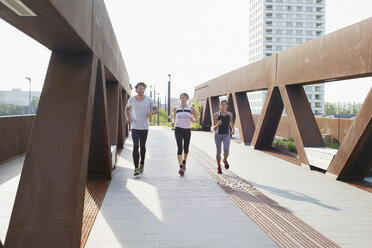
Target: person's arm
point(215, 122)
point(153, 108)
point(174, 117)
point(232, 123)
point(127, 113)
point(194, 114)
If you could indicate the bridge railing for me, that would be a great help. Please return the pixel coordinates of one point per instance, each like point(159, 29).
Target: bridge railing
point(344, 54)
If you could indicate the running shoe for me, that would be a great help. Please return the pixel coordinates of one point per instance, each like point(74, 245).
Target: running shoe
point(184, 165)
point(227, 166)
point(136, 172)
point(141, 167)
point(181, 171)
point(219, 170)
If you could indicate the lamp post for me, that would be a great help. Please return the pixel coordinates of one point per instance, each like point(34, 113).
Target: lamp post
point(165, 102)
point(29, 96)
point(169, 89)
point(158, 108)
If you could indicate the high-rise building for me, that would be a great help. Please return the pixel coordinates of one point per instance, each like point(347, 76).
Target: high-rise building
point(277, 25)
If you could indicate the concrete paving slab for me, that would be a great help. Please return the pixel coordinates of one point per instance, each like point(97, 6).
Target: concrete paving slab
point(168, 210)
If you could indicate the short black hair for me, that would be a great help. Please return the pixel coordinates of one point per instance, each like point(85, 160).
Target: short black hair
point(223, 101)
point(141, 84)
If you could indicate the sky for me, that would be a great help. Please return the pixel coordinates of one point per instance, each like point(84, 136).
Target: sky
point(193, 40)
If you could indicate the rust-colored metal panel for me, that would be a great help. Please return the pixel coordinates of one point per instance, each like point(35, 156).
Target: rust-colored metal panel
point(10, 142)
point(231, 108)
point(269, 120)
point(105, 45)
point(124, 101)
point(73, 26)
point(214, 103)
point(255, 119)
point(112, 89)
point(354, 157)
point(120, 142)
point(301, 118)
point(256, 76)
point(55, 168)
point(49, 27)
point(283, 127)
point(206, 114)
point(244, 116)
point(27, 123)
point(344, 128)
point(343, 54)
point(79, 16)
point(329, 126)
point(100, 160)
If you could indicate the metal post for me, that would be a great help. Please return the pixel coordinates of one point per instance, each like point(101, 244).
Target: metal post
point(154, 100)
point(158, 108)
point(29, 96)
point(169, 89)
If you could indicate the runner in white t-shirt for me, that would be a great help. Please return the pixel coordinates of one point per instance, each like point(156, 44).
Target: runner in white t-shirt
point(138, 110)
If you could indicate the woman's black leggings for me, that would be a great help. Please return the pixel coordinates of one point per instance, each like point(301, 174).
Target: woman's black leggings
point(139, 140)
point(185, 135)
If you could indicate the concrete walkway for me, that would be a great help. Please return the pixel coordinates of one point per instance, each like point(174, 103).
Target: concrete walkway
point(162, 209)
point(339, 211)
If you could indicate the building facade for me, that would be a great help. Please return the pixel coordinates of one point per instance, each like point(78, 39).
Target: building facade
point(17, 97)
point(277, 25)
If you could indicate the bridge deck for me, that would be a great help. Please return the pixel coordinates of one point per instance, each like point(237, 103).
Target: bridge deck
point(290, 205)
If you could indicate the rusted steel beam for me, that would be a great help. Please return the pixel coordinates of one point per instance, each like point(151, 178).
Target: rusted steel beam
point(301, 117)
point(244, 117)
point(354, 157)
point(73, 26)
point(206, 116)
point(49, 203)
point(100, 160)
point(269, 120)
point(256, 76)
point(112, 89)
point(121, 121)
point(343, 54)
point(214, 103)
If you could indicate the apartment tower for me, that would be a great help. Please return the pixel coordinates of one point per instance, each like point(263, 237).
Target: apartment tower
point(277, 25)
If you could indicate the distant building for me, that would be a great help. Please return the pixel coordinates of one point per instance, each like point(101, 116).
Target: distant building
point(17, 97)
point(277, 25)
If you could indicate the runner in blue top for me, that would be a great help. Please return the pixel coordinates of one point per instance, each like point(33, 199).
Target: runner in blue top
point(138, 110)
point(224, 128)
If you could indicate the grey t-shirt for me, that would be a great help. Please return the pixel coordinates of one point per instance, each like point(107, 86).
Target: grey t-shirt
point(138, 112)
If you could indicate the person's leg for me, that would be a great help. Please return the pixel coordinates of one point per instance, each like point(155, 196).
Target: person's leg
point(186, 144)
point(218, 141)
point(178, 135)
point(143, 138)
point(135, 154)
point(226, 149)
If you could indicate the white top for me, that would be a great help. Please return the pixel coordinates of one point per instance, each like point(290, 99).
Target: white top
point(138, 112)
point(183, 116)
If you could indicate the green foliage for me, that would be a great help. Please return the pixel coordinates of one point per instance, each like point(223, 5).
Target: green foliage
point(292, 147)
point(9, 109)
point(285, 144)
point(332, 144)
point(342, 108)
